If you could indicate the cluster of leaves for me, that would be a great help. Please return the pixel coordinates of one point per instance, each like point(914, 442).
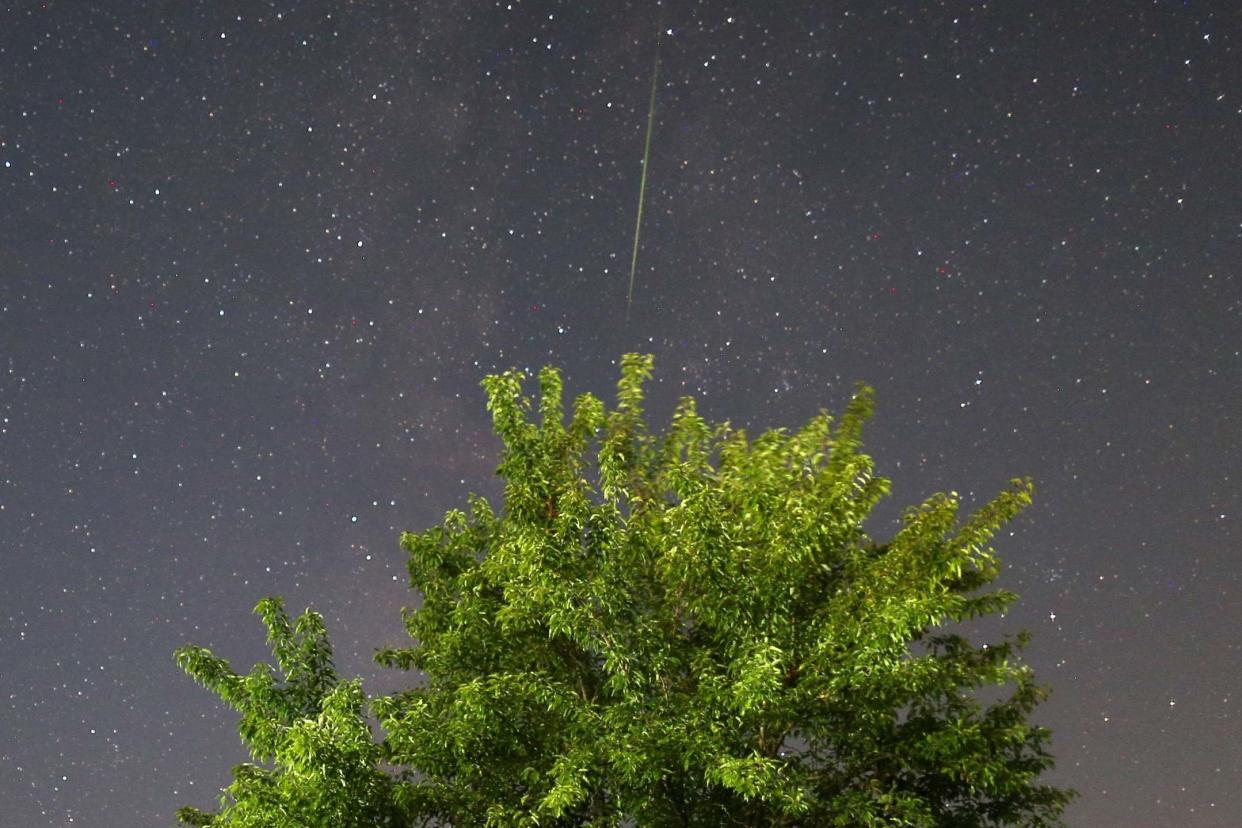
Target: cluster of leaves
point(309, 725)
point(704, 636)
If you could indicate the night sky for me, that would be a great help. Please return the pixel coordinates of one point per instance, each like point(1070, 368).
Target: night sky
point(255, 258)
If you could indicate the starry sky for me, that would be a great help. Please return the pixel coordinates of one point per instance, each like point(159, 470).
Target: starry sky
point(255, 258)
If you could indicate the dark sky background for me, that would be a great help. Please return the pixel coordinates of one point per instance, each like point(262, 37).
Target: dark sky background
point(255, 258)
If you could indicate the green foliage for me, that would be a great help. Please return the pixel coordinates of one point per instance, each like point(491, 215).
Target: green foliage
point(308, 725)
point(703, 635)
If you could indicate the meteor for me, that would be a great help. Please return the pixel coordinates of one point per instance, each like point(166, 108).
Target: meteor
point(642, 185)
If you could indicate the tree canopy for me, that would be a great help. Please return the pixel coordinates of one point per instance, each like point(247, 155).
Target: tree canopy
point(690, 630)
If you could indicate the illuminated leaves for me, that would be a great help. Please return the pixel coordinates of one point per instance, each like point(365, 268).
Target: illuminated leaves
point(686, 630)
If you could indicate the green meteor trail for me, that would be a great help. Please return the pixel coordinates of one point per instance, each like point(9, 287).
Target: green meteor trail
point(642, 186)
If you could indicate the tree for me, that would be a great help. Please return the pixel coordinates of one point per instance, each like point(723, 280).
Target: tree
point(704, 636)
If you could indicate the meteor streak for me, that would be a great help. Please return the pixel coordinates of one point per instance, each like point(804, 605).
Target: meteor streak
point(642, 185)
